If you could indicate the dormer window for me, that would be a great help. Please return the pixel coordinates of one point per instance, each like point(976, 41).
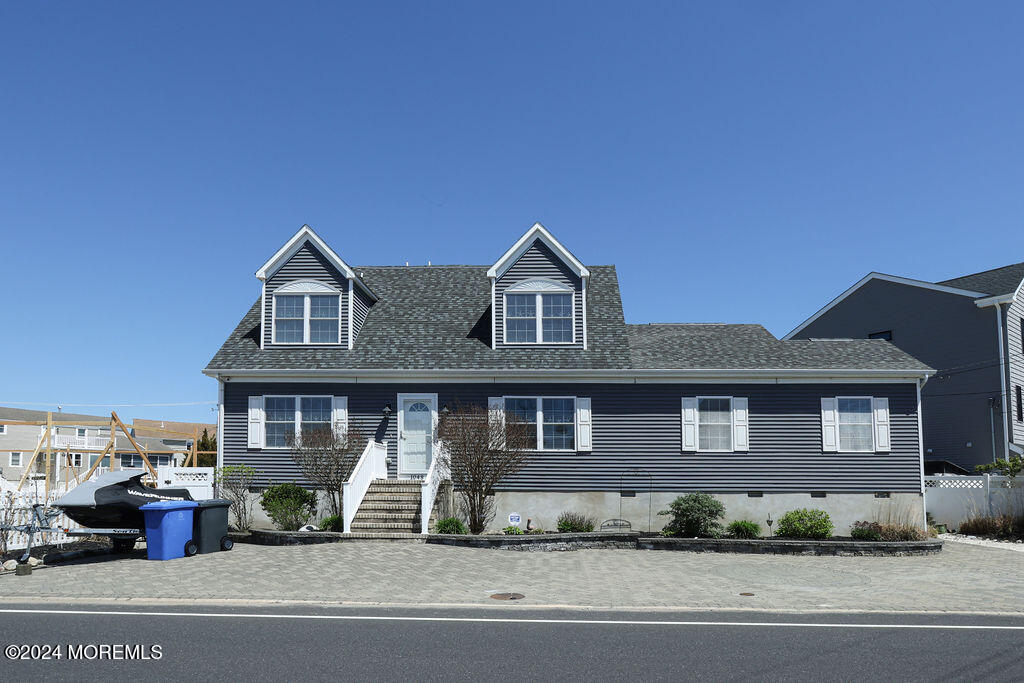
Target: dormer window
point(539, 311)
point(307, 312)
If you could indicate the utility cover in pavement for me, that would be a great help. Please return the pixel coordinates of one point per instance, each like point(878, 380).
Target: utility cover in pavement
point(508, 596)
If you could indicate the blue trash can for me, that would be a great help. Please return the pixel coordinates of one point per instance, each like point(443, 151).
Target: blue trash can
point(169, 529)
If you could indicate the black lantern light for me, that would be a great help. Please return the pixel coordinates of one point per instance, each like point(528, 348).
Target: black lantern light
point(387, 410)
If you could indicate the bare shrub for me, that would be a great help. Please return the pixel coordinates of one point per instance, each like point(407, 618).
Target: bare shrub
point(326, 458)
point(235, 483)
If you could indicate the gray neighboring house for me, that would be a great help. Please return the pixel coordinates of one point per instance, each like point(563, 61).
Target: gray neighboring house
point(970, 329)
point(628, 416)
point(18, 442)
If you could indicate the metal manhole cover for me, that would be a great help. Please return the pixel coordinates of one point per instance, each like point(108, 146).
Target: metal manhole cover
point(508, 596)
point(746, 593)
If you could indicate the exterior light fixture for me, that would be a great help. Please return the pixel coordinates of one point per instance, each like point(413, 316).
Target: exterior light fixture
point(444, 411)
point(770, 521)
point(387, 410)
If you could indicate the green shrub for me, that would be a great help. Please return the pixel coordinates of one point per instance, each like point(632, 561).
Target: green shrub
point(450, 525)
point(332, 523)
point(572, 522)
point(804, 523)
point(866, 531)
point(694, 515)
point(289, 506)
point(743, 528)
point(512, 531)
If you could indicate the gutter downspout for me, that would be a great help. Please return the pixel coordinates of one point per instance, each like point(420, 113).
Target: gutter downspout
point(220, 423)
point(920, 454)
point(1002, 381)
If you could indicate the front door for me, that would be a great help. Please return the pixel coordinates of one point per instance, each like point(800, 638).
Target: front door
point(415, 433)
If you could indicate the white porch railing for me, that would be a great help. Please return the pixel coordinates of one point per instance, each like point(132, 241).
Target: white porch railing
point(70, 441)
point(437, 474)
point(372, 465)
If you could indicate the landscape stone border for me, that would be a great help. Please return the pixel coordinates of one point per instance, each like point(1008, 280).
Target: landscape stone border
point(619, 540)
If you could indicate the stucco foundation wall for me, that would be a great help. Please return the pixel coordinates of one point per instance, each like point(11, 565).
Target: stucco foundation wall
point(844, 509)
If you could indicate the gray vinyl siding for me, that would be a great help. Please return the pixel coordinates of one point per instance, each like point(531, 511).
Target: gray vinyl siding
point(949, 333)
point(639, 425)
point(1015, 361)
point(537, 262)
point(307, 264)
point(361, 303)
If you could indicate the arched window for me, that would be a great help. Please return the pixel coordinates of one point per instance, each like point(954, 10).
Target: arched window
point(306, 312)
point(539, 312)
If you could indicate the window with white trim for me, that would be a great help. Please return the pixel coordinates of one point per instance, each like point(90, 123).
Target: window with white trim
point(14, 460)
point(131, 461)
point(714, 423)
point(80, 432)
point(74, 459)
point(288, 417)
point(3, 429)
point(554, 417)
point(855, 424)
point(307, 318)
point(539, 312)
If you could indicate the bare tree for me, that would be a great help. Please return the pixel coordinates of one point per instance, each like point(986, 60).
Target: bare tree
point(235, 482)
point(327, 457)
point(480, 450)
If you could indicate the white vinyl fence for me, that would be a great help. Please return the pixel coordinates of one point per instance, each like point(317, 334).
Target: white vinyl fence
point(951, 498)
point(16, 508)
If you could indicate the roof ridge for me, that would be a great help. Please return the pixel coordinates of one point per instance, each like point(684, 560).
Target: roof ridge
point(980, 272)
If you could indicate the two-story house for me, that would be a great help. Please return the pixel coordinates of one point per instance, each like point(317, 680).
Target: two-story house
point(623, 412)
point(971, 329)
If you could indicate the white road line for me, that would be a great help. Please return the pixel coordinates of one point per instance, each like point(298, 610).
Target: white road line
point(597, 622)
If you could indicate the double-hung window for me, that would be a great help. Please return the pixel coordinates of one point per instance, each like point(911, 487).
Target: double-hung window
point(75, 459)
point(15, 459)
point(539, 317)
point(855, 424)
point(307, 318)
point(714, 424)
point(287, 418)
point(554, 417)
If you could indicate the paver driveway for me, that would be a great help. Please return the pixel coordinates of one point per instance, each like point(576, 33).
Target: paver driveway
point(960, 578)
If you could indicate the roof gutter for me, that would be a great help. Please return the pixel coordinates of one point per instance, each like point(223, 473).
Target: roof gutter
point(997, 300)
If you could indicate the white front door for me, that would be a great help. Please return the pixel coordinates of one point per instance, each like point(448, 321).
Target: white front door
point(416, 418)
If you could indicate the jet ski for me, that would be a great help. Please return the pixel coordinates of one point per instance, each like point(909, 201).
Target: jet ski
point(112, 500)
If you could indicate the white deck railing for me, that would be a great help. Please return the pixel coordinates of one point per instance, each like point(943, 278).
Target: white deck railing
point(372, 464)
point(437, 474)
point(71, 441)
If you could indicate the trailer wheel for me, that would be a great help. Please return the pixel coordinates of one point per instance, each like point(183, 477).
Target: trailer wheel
point(191, 549)
point(123, 545)
point(226, 543)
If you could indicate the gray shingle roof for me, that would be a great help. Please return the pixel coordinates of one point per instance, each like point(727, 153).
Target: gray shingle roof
point(1003, 280)
point(721, 346)
point(438, 318)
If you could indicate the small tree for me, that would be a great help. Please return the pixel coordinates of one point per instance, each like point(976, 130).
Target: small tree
point(206, 443)
point(326, 458)
point(1010, 467)
point(234, 483)
point(694, 515)
point(480, 450)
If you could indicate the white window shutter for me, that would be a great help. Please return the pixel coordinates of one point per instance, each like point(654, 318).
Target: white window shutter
point(740, 425)
point(339, 414)
point(584, 425)
point(689, 415)
point(829, 425)
point(496, 416)
point(255, 422)
point(881, 411)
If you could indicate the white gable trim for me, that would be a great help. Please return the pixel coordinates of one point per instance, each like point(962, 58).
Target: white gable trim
point(887, 278)
point(536, 232)
point(539, 285)
point(294, 244)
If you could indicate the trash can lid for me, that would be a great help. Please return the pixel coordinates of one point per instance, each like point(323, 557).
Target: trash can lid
point(214, 503)
point(169, 505)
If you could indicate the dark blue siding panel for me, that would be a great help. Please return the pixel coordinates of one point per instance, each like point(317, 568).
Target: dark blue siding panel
point(638, 425)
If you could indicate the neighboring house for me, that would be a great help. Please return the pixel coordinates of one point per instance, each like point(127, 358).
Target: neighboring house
point(176, 436)
point(766, 425)
point(18, 442)
point(970, 329)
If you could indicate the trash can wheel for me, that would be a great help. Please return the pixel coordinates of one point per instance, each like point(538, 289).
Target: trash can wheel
point(191, 548)
point(226, 543)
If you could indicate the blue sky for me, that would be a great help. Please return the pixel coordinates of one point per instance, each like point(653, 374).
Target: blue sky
point(738, 162)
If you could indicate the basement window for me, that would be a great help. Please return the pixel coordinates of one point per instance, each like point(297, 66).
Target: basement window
point(817, 494)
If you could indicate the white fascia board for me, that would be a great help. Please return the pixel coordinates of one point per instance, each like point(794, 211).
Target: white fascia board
point(995, 300)
point(537, 231)
point(638, 376)
point(887, 278)
point(295, 243)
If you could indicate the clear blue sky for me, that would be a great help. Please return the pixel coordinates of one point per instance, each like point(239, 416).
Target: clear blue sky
point(738, 162)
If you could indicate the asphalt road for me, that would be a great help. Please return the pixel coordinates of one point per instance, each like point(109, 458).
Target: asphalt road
point(506, 643)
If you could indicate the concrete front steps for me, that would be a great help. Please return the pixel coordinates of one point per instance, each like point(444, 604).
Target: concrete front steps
point(390, 510)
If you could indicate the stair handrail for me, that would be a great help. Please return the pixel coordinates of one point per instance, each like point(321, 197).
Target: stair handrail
point(372, 464)
point(436, 474)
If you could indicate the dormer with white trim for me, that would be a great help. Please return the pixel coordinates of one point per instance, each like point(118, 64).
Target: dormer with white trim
point(308, 295)
point(538, 295)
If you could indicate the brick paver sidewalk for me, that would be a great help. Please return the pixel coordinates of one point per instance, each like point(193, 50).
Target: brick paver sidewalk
point(960, 578)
